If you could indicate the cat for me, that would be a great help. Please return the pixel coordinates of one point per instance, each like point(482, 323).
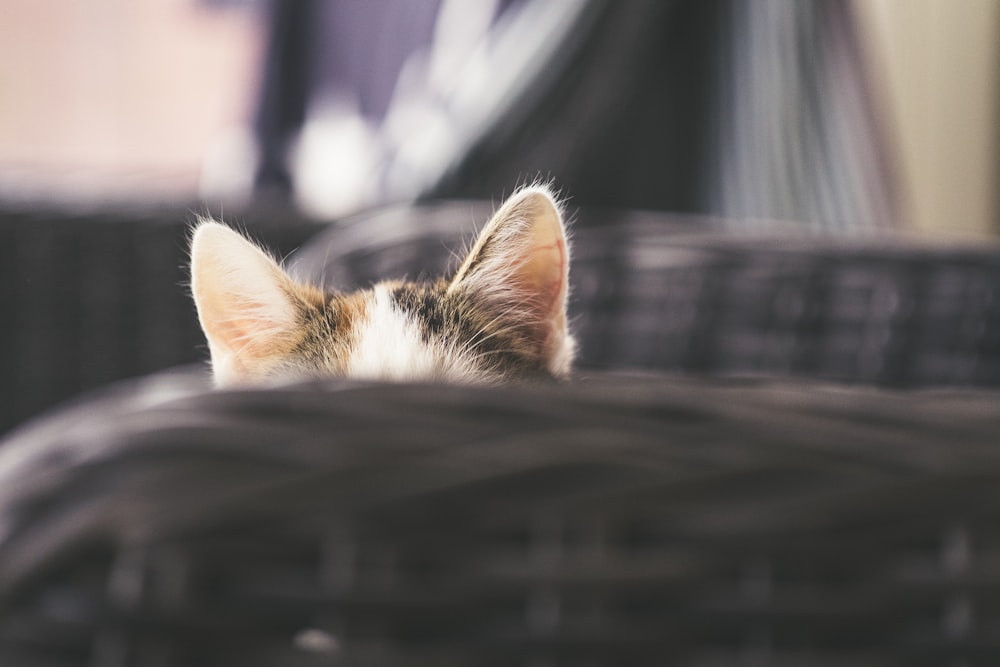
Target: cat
point(500, 318)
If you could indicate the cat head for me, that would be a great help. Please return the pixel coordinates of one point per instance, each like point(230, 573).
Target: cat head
point(500, 318)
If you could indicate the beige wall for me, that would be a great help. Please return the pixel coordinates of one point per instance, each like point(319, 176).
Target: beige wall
point(935, 67)
point(119, 98)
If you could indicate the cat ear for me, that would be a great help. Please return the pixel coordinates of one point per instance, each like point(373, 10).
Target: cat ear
point(245, 303)
point(520, 263)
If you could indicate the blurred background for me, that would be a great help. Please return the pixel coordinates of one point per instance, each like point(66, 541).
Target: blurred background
point(878, 109)
point(121, 120)
point(112, 100)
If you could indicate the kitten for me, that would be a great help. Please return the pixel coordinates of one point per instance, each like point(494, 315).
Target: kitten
point(500, 318)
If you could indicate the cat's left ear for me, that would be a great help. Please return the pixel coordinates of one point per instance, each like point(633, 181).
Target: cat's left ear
point(520, 264)
point(248, 307)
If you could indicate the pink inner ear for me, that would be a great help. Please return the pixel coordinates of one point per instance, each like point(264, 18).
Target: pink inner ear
point(246, 336)
point(544, 272)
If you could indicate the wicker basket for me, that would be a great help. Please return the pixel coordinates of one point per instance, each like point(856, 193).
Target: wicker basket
point(656, 291)
point(621, 519)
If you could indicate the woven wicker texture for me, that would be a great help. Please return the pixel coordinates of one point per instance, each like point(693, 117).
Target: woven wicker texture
point(620, 520)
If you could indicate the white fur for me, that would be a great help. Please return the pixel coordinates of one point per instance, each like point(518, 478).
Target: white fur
point(389, 347)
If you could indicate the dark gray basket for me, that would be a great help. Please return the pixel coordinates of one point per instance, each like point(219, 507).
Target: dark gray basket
point(88, 298)
point(656, 291)
point(619, 520)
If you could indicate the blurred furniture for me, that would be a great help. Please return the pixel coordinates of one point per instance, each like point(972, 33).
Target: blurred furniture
point(748, 111)
point(691, 295)
point(91, 297)
point(631, 517)
point(636, 520)
point(94, 297)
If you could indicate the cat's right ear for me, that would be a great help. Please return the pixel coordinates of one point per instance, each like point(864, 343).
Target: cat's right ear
point(520, 265)
point(246, 303)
